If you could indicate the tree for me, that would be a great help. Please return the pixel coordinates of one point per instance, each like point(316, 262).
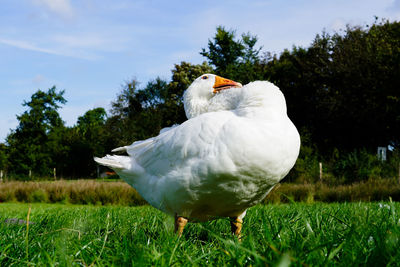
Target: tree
point(136, 112)
point(30, 146)
point(343, 89)
point(3, 157)
point(303, 75)
point(88, 138)
point(223, 51)
point(365, 90)
point(234, 59)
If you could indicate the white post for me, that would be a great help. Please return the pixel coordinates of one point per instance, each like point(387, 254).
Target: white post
point(320, 171)
point(30, 174)
point(54, 174)
point(1, 176)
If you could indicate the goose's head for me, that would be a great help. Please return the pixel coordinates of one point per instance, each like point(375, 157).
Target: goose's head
point(197, 97)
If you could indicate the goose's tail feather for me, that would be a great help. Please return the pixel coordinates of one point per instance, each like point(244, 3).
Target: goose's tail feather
point(114, 162)
point(119, 149)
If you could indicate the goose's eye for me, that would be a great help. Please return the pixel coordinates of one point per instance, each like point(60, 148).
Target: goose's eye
point(204, 77)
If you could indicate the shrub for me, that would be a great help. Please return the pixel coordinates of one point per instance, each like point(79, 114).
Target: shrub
point(39, 195)
point(120, 193)
point(306, 169)
point(360, 165)
point(370, 190)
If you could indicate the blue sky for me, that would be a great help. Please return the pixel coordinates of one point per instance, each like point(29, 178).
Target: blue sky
point(90, 47)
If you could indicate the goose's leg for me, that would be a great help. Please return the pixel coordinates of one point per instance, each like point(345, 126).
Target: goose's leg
point(236, 227)
point(180, 223)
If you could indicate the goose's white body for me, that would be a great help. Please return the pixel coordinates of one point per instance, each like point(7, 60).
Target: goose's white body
point(225, 158)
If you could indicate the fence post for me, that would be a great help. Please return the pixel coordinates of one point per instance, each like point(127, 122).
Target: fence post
point(54, 174)
point(320, 171)
point(30, 174)
point(1, 176)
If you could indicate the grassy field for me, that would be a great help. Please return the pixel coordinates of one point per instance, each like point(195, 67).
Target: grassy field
point(97, 192)
point(299, 234)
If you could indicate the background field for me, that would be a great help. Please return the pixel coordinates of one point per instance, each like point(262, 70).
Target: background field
point(301, 234)
point(120, 193)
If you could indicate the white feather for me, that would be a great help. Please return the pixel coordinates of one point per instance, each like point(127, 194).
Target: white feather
point(234, 148)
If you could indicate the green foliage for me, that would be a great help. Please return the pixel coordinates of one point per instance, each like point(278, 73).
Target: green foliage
point(38, 196)
point(342, 87)
point(306, 169)
point(31, 143)
point(88, 138)
point(297, 234)
point(342, 167)
point(223, 51)
point(74, 192)
point(3, 157)
point(91, 122)
point(359, 165)
point(138, 113)
point(234, 59)
point(366, 84)
point(370, 190)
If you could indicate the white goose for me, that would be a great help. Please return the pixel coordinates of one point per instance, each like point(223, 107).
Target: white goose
point(236, 145)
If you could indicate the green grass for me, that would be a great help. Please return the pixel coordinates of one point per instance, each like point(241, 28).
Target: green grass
point(301, 234)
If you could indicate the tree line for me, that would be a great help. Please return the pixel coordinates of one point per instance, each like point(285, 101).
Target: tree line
point(342, 92)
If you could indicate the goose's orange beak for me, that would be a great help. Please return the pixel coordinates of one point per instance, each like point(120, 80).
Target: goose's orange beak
point(223, 84)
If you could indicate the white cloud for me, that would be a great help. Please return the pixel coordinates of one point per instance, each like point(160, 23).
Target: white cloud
point(60, 7)
point(38, 79)
point(60, 51)
point(26, 45)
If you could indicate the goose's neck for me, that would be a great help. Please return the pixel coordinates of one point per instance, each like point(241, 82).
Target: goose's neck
point(194, 106)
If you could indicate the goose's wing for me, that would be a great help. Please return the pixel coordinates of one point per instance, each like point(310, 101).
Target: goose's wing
point(136, 147)
point(179, 147)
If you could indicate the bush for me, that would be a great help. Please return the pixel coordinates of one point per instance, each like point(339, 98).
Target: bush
point(343, 168)
point(371, 190)
point(120, 193)
point(39, 195)
point(306, 169)
point(74, 192)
